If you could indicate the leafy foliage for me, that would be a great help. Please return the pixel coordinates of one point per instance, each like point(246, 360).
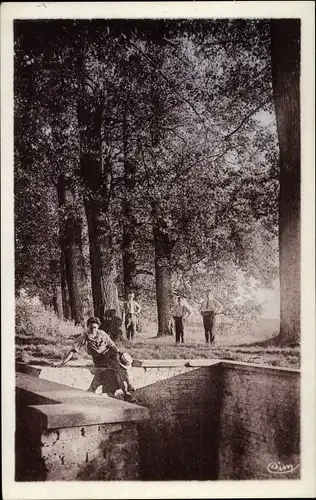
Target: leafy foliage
point(192, 101)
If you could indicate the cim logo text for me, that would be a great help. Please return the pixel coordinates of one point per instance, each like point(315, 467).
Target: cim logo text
point(279, 468)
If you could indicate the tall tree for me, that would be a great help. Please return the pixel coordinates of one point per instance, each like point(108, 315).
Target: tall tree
point(71, 246)
point(162, 244)
point(205, 149)
point(97, 176)
point(285, 57)
point(64, 286)
point(36, 233)
point(174, 158)
point(54, 154)
point(129, 222)
point(102, 259)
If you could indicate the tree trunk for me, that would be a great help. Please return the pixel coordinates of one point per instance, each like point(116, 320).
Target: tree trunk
point(64, 287)
point(103, 263)
point(285, 56)
point(163, 272)
point(71, 244)
point(128, 246)
point(163, 281)
point(96, 175)
point(129, 253)
point(56, 302)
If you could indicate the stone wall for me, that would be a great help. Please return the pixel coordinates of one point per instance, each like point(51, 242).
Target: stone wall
point(67, 434)
point(260, 422)
point(180, 439)
point(80, 376)
point(89, 453)
point(148, 375)
point(77, 376)
point(228, 420)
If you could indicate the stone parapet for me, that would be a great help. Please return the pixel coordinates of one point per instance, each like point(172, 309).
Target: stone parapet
point(209, 419)
point(64, 433)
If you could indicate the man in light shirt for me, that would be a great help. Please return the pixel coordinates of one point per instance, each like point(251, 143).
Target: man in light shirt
point(117, 373)
point(131, 310)
point(181, 312)
point(209, 308)
point(97, 344)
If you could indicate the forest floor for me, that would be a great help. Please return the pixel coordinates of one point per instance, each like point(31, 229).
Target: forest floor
point(230, 343)
point(247, 344)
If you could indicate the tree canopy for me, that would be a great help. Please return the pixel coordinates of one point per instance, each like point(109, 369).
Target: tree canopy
point(166, 132)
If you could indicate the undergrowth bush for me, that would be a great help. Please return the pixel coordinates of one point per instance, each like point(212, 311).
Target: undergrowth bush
point(34, 320)
point(40, 333)
point(43, 338)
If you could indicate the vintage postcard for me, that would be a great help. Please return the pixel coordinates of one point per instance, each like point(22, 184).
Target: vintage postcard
point(158, 250)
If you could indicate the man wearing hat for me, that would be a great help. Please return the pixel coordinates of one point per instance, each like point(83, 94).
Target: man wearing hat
point(105, 354)
point(209, 308)
point(181, 312)
point(131, 311)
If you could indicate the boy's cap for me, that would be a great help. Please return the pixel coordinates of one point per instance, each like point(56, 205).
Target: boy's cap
point(125, 360)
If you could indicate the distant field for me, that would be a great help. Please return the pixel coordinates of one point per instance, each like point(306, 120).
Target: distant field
point(239, 344)
point(228, 332)
point(49, 342)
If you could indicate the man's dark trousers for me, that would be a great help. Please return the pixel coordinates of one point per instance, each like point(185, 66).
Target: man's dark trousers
point(209, 326)
point(178, 323)
point(130, 326)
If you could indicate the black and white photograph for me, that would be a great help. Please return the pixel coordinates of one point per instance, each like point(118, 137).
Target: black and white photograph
point(157, 174)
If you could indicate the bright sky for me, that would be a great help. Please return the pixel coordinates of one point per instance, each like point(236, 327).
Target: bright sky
point(271, 302)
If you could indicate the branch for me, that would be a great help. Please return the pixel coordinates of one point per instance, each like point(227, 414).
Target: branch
point(253, 112)
point(168, 81)
point(220, 155)
point(248, 89)
point(176, 46)
point(186, 170)
point(175, 133)
point(188, 266)
point(144, 163)
point(144, 271)
point(173, 44)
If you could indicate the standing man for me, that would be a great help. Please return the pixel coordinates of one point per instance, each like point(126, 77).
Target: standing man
point(209, 308)
point(130, 312)
point(181, 313)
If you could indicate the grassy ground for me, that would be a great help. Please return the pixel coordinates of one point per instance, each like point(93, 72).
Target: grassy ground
point(231, 343)
point(43, 338)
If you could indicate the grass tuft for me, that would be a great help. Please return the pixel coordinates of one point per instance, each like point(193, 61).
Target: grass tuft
point(42, 337)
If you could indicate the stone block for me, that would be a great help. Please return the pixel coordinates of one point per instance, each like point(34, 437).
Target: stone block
point(203, 362)
point(185, 403)
point(63, 473)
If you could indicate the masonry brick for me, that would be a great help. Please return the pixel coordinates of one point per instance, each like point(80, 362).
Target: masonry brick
point(224, 421)
point(110, 452)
